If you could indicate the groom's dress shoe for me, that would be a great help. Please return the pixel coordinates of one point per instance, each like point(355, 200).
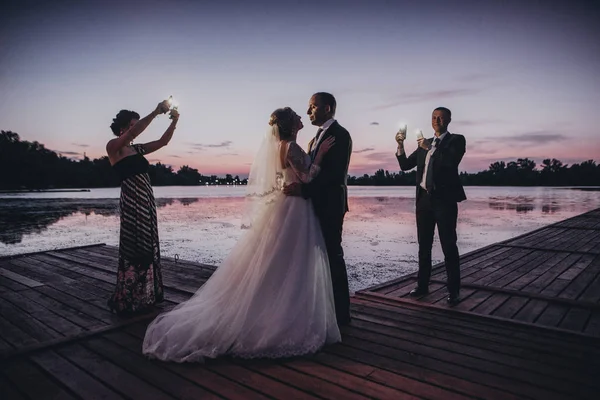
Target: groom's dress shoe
point(453, 299)
point(418, 291)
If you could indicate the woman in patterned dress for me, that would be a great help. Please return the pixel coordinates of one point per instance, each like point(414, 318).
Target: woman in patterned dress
point(139, 278)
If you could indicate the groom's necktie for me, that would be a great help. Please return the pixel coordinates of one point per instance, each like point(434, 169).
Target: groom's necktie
point(429, 177)
point(315, 141)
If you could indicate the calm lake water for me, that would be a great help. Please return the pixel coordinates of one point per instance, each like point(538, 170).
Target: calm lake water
point(203, 223)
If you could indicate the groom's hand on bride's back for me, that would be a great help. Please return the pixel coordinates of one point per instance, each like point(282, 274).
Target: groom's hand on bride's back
point(293, 189)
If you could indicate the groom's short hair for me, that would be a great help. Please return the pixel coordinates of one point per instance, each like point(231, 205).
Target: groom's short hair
point(446, 110)
point(327, 99)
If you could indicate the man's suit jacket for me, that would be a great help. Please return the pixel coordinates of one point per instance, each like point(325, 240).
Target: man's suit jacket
point(444, 161)
point(328, 189)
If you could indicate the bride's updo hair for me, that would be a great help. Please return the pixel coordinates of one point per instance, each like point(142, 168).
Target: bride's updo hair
point(122, 121)
point(284, 118)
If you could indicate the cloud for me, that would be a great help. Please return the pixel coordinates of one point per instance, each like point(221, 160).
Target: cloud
point(481, 148)
point(175, 156)
point(201, 146)
point(80, 145)
point(230, 154)
point(417, 97)
point(374, 123)
point(67, 153)
point(381, 156)
point(539, 137)
point(467, 122)
point(364, 150)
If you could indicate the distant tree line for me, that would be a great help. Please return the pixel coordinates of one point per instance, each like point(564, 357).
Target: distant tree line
point(29, 165)
point(523, 172)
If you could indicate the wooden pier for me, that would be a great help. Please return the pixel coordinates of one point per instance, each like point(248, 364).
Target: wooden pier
point(528, 328)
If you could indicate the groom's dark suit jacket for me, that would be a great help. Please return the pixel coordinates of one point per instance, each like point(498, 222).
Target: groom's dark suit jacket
point(328, 189)
point(444, 161)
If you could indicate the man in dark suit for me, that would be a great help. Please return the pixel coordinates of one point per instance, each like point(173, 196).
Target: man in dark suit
point(438, 191)
point(329, 193)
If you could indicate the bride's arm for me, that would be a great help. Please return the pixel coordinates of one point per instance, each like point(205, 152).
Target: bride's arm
point(300, 163)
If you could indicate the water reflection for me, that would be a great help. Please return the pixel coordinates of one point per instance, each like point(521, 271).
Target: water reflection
point(19, 217)
point(520, 204)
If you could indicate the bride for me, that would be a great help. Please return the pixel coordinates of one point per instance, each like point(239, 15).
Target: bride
point(272, 296)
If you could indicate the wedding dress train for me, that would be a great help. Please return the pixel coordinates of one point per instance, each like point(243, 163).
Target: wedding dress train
point(271, 297)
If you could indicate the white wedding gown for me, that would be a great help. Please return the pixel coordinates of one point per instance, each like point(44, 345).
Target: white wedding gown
point(271, 297)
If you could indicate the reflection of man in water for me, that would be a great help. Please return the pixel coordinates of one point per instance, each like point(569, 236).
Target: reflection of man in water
point(438, 191)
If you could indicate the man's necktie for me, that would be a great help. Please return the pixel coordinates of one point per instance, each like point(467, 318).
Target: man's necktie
point(315, 141)
point(429, 177)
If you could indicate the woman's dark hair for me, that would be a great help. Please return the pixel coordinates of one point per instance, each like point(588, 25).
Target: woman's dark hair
point(122, 121)
point(284, 118)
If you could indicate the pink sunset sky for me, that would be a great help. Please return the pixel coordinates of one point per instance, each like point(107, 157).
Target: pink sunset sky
point(519, 77)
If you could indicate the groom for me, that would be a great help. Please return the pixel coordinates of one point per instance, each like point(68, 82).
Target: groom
point(438, 191)
point(329, 193)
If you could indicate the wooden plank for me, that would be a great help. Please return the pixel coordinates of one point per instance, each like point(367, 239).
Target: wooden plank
point(480, 267)
point(110, 374)
point(72, 377)
point(243, 376)
point(348, 381)
point(491, 303)
point(592, 292)
point(15, 336)
point(492, 265)
point(544, 280)
point(88, 308)
point(30, 380)
point(593, 246)
point(490, 325)
point(533, 274)
point(490, 278)
point(8, 285)
point(593, 325)
point(571, 283)
point(433, 381)
point(552, 315)
point(316, 387)
point(20, 279)
point(46, 316)
point(197, 373)
point(575, 319)
point(532, 310)
point(31, 326)
point(415, 387)
point(510, 307)
point(533, 368)
point(465, 337)
point(57, 281)
point(65, 310)
point(474, 300)
point(455, 365)
point(189, 282)
point(125, 350)
point(506, 341)
point(100, 278)
point(521, 272)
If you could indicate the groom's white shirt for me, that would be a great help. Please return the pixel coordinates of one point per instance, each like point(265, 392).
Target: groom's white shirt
point(325, 126)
